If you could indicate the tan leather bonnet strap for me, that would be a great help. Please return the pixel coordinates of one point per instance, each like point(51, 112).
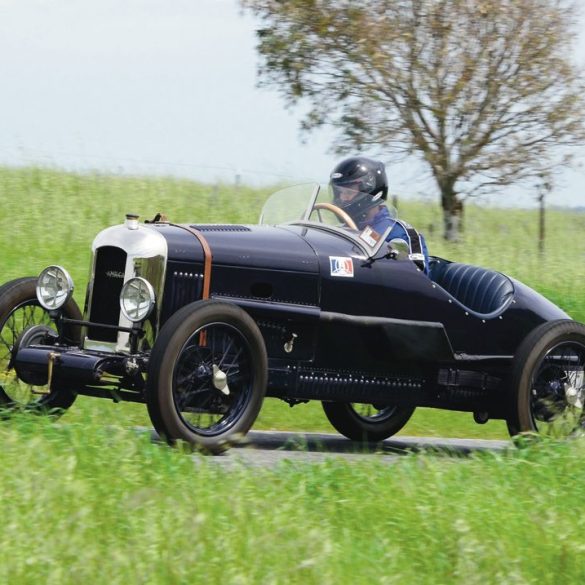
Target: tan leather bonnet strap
point(207, 257)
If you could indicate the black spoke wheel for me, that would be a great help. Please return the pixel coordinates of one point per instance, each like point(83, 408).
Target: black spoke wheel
point(207, 375)
point(19, 311)
point(547, 382)
point(367, 422)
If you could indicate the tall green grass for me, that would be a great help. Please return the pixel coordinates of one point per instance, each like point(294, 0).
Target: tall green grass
point(84, 503)
point(48, 216)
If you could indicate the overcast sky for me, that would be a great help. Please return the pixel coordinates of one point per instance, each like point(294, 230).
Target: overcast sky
point(159, 87)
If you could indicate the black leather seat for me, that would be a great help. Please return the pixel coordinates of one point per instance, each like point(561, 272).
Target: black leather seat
point(483, 291)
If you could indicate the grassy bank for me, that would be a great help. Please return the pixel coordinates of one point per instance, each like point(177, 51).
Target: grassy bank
point(51, 217)
point(84, 503)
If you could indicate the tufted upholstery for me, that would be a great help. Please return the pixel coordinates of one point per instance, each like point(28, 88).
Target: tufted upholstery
point(481, 290)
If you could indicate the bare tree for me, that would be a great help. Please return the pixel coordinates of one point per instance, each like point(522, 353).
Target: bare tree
point(483, 91)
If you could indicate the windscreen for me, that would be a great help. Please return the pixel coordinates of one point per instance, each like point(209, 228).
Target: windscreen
point(366, 220)
point(289, 204)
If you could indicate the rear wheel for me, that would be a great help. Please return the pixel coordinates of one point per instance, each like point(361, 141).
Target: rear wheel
point(207, 375)
point(19, 311)
point(367, 422)
point(547, 381)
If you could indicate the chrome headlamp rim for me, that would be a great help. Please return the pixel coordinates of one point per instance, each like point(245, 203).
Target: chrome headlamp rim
point(138, 287)
point(54, 287)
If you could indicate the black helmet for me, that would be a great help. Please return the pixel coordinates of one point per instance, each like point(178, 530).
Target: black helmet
point(366, 178)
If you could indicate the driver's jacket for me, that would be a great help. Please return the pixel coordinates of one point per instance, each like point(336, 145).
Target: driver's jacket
point(401, 230)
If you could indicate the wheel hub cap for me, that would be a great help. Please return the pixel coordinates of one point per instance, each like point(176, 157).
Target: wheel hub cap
point(220, 380)
point(574, 397)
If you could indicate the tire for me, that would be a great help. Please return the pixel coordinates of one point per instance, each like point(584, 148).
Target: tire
point(547, 381)
point(367, 422)
point(19, 310)
point(199, 346)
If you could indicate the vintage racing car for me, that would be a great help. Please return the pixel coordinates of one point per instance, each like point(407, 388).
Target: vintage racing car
point(201, 322)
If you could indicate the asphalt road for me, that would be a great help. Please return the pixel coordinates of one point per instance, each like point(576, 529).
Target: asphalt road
point(268, 448)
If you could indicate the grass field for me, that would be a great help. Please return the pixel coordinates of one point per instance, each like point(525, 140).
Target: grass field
point(89, 500)
point(84, 503)
point(52, 217)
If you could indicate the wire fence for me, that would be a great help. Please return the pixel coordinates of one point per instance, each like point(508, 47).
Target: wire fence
point(125, 165)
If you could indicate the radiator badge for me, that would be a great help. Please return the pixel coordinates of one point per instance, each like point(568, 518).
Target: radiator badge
point(115, 274)
point(341, 266)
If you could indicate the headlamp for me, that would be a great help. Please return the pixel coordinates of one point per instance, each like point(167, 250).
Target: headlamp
point(137, 299)
point(54, 287)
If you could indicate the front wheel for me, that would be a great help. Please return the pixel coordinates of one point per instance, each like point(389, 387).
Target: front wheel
point(547, 381)
point(367, 422)
point(19, 311)
point(207, 375)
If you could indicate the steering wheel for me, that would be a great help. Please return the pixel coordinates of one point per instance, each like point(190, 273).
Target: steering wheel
point(342, 215)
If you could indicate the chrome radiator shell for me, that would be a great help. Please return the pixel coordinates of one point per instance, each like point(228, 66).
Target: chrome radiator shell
point(137, 251)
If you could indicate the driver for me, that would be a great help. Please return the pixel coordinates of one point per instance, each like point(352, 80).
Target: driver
point(360, 187)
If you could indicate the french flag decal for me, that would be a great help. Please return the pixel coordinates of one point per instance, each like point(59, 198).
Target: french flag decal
point(341, 266)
